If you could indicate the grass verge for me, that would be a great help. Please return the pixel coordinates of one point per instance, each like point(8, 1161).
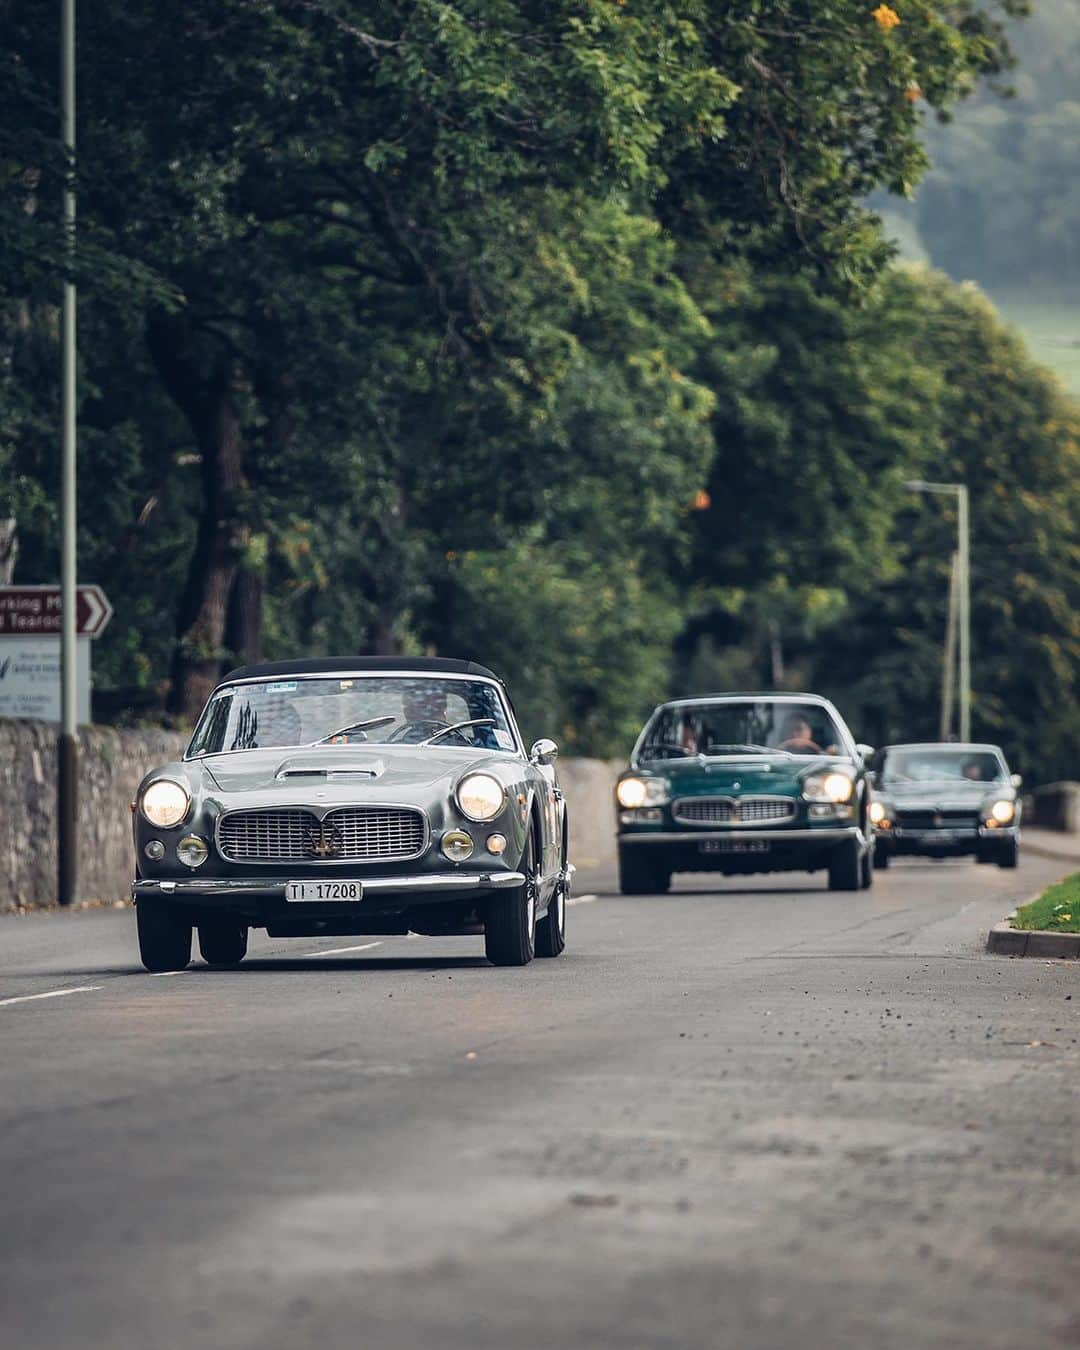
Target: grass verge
point(1057, 910)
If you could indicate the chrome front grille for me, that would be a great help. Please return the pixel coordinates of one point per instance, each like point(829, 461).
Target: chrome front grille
point(347, 834)
point(733, 811)
point(925, 818)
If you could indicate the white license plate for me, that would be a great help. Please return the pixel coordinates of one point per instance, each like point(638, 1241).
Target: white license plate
point(733, 846)
point(299, 891)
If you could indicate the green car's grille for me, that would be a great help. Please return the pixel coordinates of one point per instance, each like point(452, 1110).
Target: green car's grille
point(733, 810)
point(352, 833)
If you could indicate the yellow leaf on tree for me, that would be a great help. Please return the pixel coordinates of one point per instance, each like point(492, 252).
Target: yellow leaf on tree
point(885, 17)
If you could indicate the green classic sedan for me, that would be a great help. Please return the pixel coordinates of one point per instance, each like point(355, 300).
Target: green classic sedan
point(739, 783)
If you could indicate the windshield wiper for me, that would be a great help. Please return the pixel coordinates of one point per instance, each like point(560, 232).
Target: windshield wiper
point(720, 748)
point(476, 722)
point(354, 726)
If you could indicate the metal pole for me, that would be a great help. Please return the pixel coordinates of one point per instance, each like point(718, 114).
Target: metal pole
point(68, 753)
point(964, 615)
point(948, 665)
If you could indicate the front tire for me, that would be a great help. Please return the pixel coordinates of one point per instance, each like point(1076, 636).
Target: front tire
point(551, 930)
point(510, 926)
point(223, 942)
point(845, 866)
point(882, 858)
point(866, 869)
point(1010, 854)
point(164, 937)
point(642, 875)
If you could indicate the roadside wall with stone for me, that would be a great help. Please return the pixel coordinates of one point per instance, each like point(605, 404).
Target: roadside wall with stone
point(111, 765)
point(1055, 806)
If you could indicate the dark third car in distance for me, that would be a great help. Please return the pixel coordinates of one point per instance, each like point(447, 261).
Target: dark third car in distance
point(945, 800)
point(353, 795)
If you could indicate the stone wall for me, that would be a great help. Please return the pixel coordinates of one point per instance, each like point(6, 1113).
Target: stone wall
point(1055, 806)
point(111, 765)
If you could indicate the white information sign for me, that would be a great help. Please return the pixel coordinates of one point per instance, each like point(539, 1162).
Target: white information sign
point(30, 678)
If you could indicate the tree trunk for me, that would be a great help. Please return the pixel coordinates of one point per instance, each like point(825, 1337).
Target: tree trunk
point(200, 378)
point(9, 550)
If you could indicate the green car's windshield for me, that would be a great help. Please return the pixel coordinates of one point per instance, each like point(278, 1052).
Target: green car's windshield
point(757, 727)
point(353, 711)
point(944, 765)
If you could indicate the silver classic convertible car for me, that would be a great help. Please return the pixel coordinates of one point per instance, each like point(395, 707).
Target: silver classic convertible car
point(353, 795)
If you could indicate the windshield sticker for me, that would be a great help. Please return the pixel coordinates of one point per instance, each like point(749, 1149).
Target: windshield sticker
point(287, 688)
point(503, 739)
point(345, 684)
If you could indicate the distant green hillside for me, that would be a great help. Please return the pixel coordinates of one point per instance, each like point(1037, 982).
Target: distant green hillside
point(1001, 204)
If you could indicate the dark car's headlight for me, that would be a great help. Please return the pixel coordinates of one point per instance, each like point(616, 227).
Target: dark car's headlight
point(833, 786)
point(480, 796)
point(634, 792)
point(165, 803)
point(1001, 812)
point(879, 813)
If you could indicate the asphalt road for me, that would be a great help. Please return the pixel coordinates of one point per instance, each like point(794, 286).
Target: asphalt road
point(761, 1116)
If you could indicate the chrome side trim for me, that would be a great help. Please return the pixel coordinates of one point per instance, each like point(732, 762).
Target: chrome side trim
point(808, 836)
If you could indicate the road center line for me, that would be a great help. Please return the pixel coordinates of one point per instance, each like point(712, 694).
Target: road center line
point(53, 993)
point(581, 900)
point(341, 951)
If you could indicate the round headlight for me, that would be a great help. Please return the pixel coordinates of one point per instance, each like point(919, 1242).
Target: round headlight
point(631, 792)
point(192, 850)
point(876, 813)
point(165, 803)
point(832, 787)
point(480, 796)
point(1003, 812)
point(457, 845)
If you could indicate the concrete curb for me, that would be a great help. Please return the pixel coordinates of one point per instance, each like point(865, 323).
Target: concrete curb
point(1005, 940)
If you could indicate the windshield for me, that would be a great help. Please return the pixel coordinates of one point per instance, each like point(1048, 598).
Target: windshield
point(365, 710)
point(754, 727)
point(942, 766)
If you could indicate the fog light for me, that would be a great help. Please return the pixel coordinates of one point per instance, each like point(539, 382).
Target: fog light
point(155, 850)
point(192, 851)
point(457, 845)
point(496, 843)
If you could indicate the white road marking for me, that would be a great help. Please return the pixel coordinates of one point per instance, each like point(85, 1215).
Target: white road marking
point(163, 974)
point(341, 951)
point(581, 900)
point(53, 993)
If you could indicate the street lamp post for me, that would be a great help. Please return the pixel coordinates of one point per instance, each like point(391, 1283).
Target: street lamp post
point(963, 560)
point(67, 747)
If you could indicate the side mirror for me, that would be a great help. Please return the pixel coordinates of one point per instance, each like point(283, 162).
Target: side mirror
point(1015, 780)
point(867, 751)
point(544, 751)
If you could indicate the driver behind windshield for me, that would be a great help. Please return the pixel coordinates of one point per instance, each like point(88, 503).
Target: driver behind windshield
point(797, 736)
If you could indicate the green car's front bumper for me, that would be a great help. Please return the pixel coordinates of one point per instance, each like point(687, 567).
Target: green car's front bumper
point(796, 848)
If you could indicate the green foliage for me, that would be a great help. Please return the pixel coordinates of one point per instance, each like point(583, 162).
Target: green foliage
point(424, 326)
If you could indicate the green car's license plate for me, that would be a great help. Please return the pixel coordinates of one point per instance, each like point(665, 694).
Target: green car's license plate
point(734, 846)
point(296, 891)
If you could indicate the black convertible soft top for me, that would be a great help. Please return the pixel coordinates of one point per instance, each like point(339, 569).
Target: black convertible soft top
point(331, 665)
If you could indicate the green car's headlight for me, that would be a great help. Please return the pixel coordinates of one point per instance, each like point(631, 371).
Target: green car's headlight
point(633, 792)
point(834, 786)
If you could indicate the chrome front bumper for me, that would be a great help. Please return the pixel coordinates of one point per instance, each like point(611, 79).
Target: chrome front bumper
point(206, 888)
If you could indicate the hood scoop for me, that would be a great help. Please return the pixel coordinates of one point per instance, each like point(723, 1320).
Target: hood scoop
point(299, 768)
